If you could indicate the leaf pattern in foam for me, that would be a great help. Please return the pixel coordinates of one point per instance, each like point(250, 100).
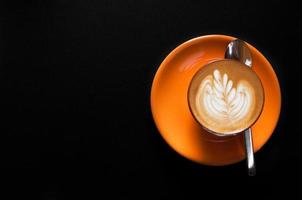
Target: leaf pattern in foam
point(221, 100)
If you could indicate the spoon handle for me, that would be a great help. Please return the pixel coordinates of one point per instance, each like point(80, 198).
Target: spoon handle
point(249, 152)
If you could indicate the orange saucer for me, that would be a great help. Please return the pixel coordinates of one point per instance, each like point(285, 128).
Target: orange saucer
point(171, 111)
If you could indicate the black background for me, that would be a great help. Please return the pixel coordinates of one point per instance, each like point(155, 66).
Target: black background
point(75, 80)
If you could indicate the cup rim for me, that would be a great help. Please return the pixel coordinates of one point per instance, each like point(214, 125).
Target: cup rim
point(231, 133)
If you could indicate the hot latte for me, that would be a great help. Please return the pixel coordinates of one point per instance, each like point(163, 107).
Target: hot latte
point(226, 97)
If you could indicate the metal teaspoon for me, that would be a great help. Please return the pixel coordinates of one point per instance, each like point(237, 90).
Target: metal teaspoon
point(238, 50)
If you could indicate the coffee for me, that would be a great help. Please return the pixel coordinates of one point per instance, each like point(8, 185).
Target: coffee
point(226, 97)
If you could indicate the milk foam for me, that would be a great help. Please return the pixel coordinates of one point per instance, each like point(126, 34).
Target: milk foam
point(223, 102)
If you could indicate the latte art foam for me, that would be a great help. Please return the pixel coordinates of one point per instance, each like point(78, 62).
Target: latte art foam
point(222, 101)
point(225, 97)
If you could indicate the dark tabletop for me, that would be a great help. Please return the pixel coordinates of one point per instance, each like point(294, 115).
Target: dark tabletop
point(75, 80)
